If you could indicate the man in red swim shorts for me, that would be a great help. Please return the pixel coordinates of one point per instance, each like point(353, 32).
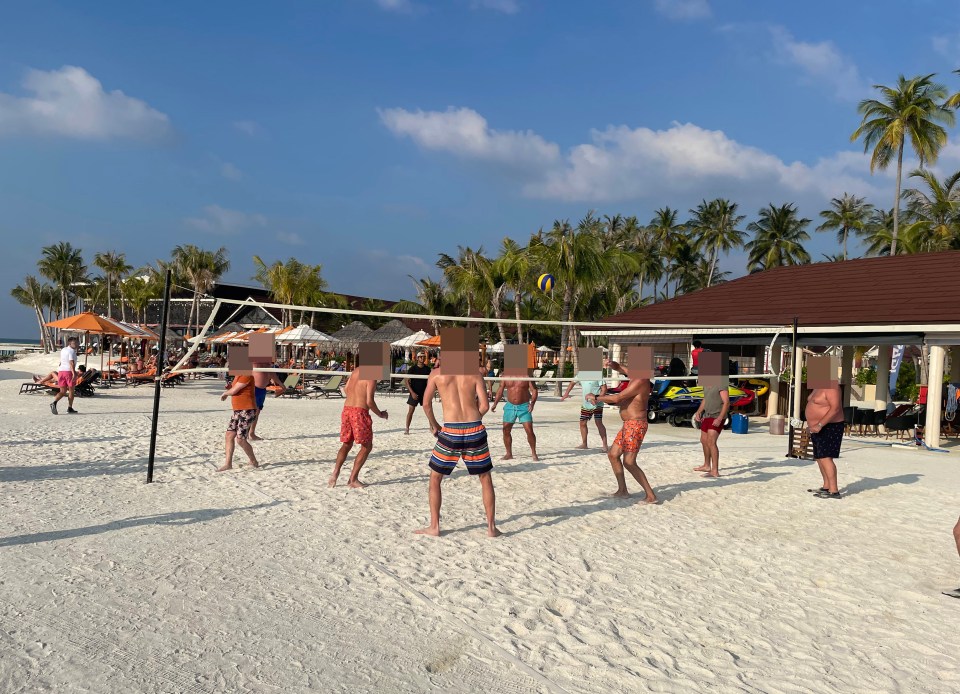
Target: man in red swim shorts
point(632, 401)
point(356, 425)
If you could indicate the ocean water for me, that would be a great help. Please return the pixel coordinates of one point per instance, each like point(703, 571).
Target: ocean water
point(12, 341)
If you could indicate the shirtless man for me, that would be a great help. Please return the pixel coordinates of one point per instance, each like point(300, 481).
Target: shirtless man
point(632, 401)
point(262, 379)
point(955, 593)
point(463, 397)
point(824, 413)
point(521, 397)
point(356, 426)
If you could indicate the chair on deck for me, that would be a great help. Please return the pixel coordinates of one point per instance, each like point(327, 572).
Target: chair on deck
point(143, 377)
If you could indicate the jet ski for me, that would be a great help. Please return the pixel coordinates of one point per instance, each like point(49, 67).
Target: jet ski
point(675, 402)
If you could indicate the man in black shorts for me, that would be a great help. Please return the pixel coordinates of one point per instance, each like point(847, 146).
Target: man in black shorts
point(416, 386)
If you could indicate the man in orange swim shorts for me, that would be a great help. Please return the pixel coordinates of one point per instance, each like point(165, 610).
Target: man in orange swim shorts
point(356, 426)
point(632, 401)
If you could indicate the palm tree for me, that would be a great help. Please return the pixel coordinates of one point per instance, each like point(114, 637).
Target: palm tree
point(687, 268)
point(297, 284)
point(715, 225)
point(833, 257)
point(514, 269)
point(31, 293)
point(432, 298)
point(576, 259)
point(912, 109)
point(114, 267)
point(63, 265)
point(846, 214)
point(935, 215)
point(878, 233)
point(779, 236)
point(665, 230)
point(201, 269)
point(640, 243)
point(138, 291)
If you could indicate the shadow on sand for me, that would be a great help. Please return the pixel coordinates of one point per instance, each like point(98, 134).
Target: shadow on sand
point(179, 518)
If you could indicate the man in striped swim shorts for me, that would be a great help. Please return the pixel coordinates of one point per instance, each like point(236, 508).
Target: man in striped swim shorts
point(463, 397)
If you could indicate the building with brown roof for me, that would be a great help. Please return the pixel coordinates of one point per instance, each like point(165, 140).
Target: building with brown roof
point(885, 301)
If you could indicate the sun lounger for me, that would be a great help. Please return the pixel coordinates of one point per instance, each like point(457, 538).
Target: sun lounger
point(32, 387)
point(145, 377)
point(330, 389)
point(544, 385)
point(290, 389)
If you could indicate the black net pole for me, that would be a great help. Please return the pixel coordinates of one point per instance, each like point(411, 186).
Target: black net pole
point(161, 362)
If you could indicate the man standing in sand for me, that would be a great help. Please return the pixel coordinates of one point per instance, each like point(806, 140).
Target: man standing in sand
point(521, 397)
point(416, 386)
point(463, 397)
point(632, 401)
point(356, 425)
point(589, 409)
point(955, 593)
point(244, 403)
point(66, 376)
point(262, 379)
point(714, 406)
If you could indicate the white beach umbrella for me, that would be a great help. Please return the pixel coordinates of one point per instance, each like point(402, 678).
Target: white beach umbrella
point(411, 340)
point(303, 334)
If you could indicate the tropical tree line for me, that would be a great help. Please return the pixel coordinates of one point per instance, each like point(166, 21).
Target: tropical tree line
point(111, 285)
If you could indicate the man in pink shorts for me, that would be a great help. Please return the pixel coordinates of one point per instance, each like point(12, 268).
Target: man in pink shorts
point(66, 376)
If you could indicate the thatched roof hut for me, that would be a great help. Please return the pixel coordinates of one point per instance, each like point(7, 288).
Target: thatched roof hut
point(389, 333)
point(350, 336)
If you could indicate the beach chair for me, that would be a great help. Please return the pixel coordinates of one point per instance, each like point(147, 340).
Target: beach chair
point(143, 377)
point(330, 389)
point(290, 389)
point(32, 387)
point(84, 387)
point(545, 385)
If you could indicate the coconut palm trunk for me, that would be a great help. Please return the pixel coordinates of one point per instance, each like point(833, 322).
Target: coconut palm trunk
point(517, 298)
point(896, 200)
point(564, 333)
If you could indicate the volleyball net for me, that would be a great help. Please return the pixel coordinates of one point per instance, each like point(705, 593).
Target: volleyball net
point(582, 335)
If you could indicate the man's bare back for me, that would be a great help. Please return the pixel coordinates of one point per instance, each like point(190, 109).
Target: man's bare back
point(463, 397)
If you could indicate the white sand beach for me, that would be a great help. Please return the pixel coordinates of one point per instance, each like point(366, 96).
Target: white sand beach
point(267, 581)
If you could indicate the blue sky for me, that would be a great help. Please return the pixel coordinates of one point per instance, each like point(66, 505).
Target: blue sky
point(369, 135)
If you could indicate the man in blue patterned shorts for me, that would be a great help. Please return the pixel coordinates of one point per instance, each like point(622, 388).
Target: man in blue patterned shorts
point(463, 397)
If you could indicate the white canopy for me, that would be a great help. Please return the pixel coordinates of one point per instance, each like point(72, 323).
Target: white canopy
point(411, 340)
point(303, 334)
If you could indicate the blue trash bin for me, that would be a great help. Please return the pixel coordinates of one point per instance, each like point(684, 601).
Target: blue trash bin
point(739, 423)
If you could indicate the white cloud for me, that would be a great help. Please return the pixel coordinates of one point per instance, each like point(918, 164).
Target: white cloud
point(465, 132)
point(621, 163)
point(396, 5)
point(948, 46)
point(505, 6)
point(683, 9)
point(820, 63)
point(247, 127)
point(229, 171)
point(290, 238)
point(219, 220)
point(70, 102)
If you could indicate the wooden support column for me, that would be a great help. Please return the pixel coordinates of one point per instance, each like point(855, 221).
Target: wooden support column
point(884, 354)
point(931, 429)
point(797, 382)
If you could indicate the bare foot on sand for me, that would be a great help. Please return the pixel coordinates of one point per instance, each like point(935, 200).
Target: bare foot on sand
point(254, 464)
point(256, 438)
point(649, 500)
point(713, 475)
point(621, 494)
point(356, 484)
point(507, 457)
point(494, 532)
point(535, 457)
point(407, 432)
point(702, 468)
point(225, 467)
point(332, 482)
point(582, 448)
point(605, 449)
point(432, 532)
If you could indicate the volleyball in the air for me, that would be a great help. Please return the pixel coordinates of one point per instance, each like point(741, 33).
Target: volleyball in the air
point(545, 282)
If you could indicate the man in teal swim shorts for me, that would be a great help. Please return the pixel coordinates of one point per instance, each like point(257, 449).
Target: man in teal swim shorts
point(521, 397)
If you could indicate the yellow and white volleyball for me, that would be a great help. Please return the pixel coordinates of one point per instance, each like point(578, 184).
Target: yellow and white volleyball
point(545, 282)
